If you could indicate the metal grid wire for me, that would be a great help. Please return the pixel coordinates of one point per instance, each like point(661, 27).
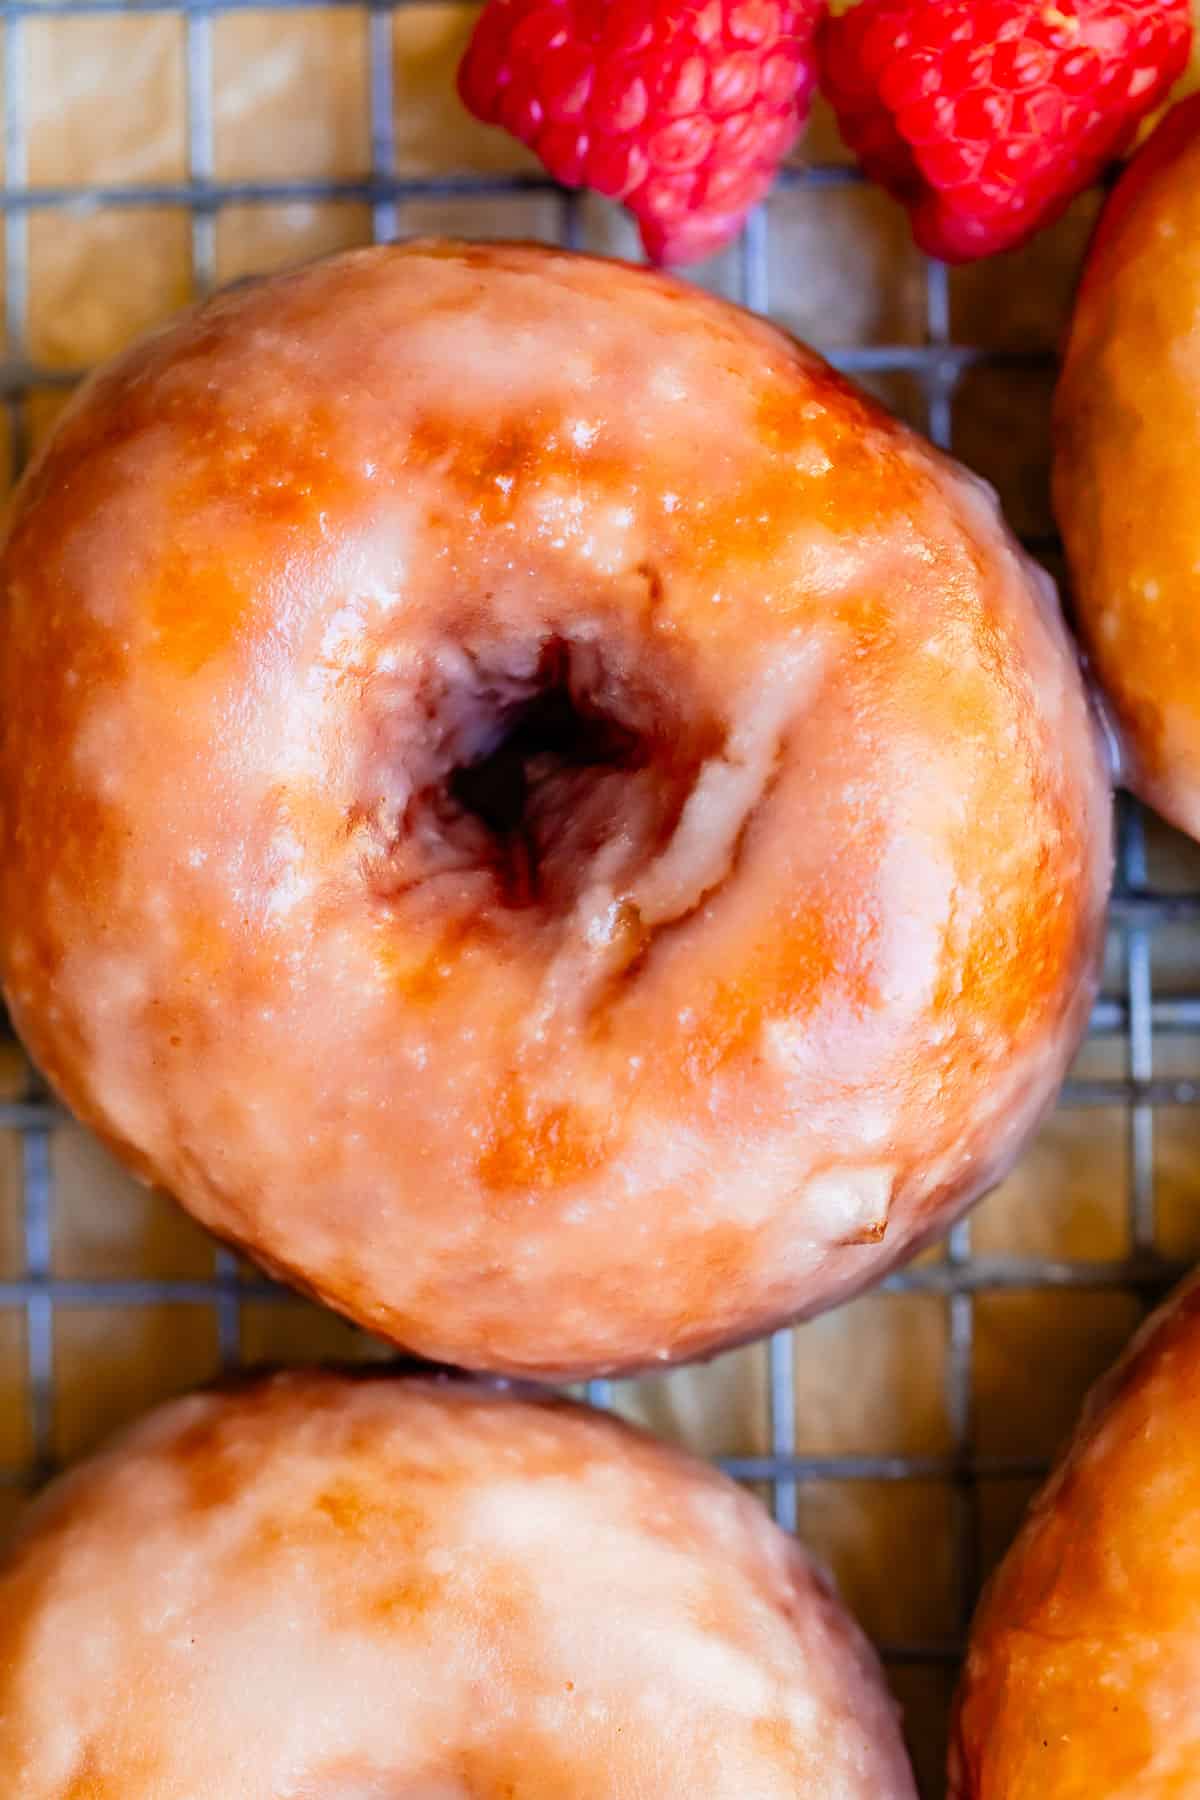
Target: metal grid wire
point(938, 364)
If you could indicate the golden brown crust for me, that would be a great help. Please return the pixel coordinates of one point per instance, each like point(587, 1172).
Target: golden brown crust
point(748, 1005)
point(325, 1588)
point(1127, 428)
point(1081, 1673)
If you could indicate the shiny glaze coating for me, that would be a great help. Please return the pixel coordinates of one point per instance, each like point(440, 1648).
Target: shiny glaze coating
point(320, 1588)
point(1127, 464)
point(765, 948)
point(1083, 1670)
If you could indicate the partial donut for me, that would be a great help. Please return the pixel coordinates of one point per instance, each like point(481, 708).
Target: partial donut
point(1126, 480)
point(536, 808)
point(1081, 1677)
point(321, 1588)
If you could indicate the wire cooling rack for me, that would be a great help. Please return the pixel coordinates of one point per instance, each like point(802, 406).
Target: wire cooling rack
point(1134, 1015)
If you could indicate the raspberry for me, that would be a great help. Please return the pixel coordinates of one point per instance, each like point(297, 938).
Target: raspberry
point(987, 117)
point(681, 109)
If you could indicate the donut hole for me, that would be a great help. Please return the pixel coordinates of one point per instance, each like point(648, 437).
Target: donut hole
point(565, 769)
point(549, 738)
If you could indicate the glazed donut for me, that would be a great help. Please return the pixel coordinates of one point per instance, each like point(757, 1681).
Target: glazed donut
point(534, 807)
point(322, 1588)
point(1127, 491)
point(1081, 1673)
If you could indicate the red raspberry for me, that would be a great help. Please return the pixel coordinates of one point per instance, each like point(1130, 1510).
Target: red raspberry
point(682, 109)
point(987, 117)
